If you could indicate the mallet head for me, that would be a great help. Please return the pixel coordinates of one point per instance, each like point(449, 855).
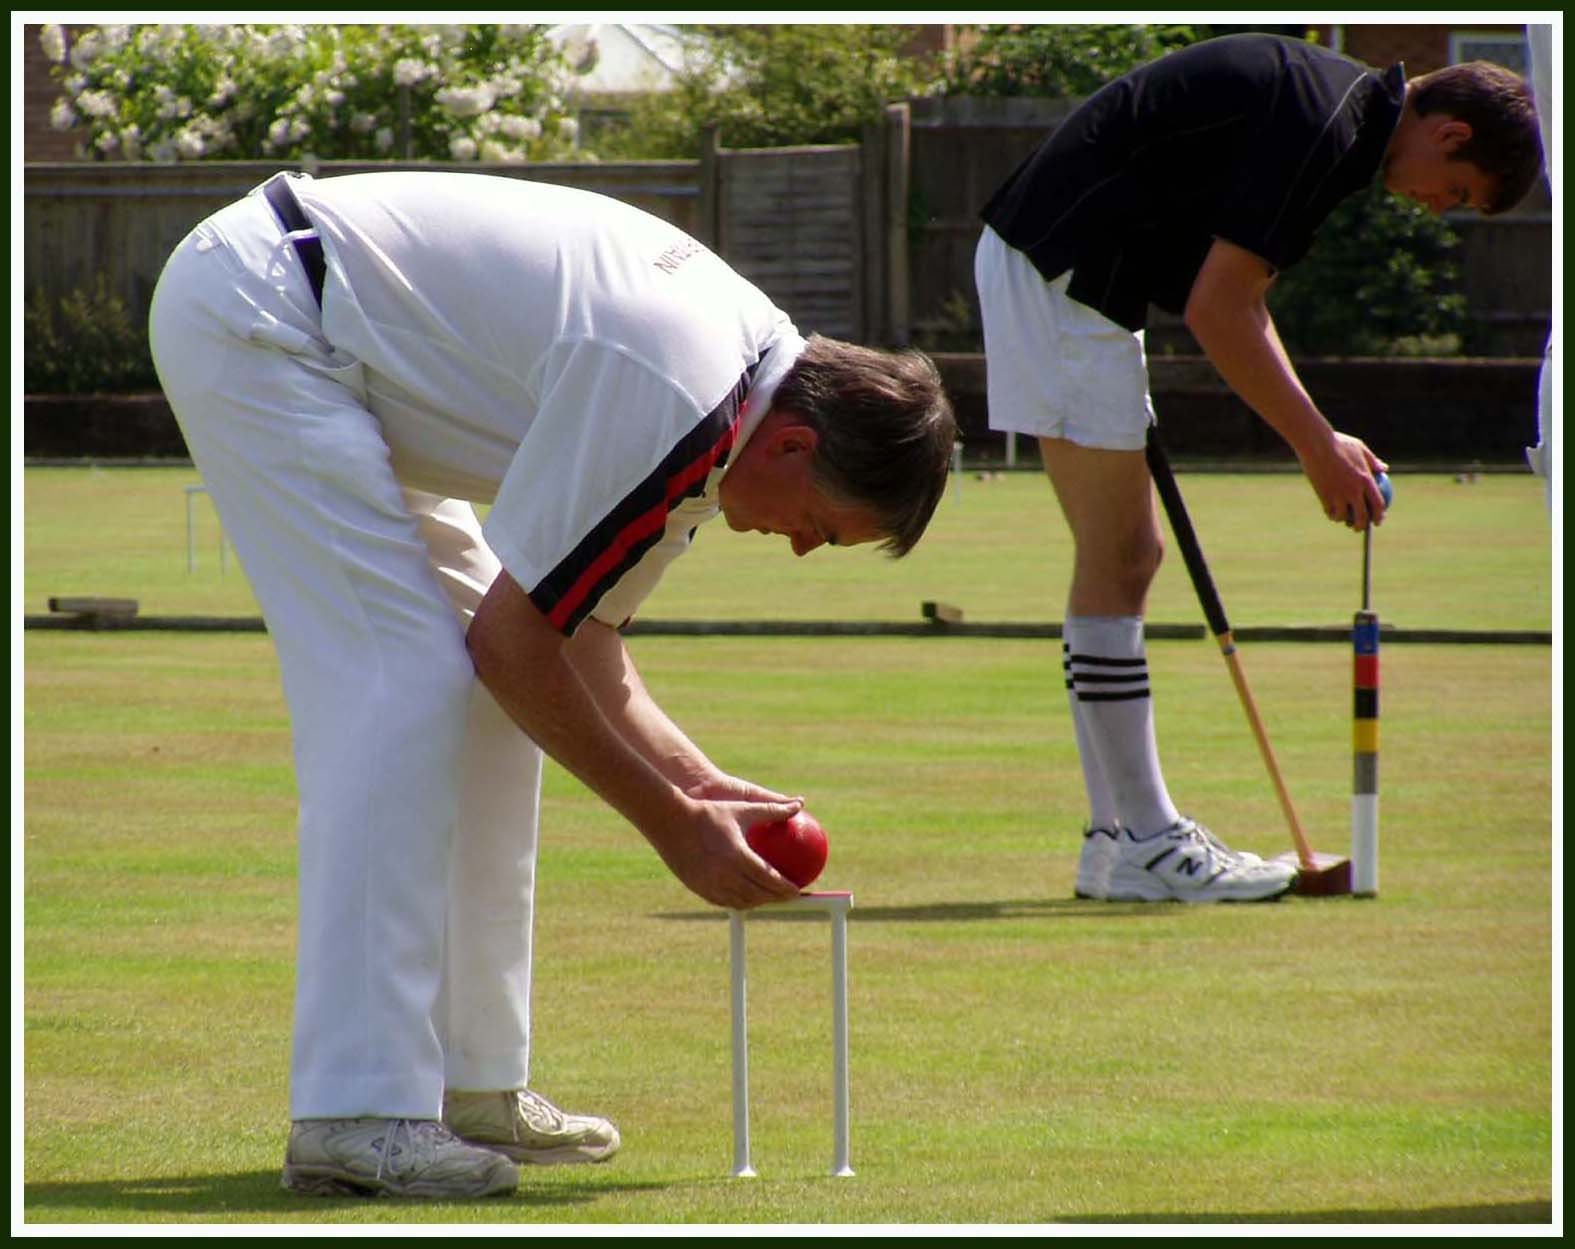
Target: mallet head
point(1327, 876)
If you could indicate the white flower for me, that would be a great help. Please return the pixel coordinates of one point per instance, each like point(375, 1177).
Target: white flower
point(504, 86)
point(218, 136)
point(86, 49)
point(61, 117)
point(131, 142)
point(408, 71)
point(299, 129)
point(466, 101)
point(168, 102)
point(97, 104)
point(107, 141)
point(190, 144)
point(286, 42)
point(335, 98)
point(164, 151)
point(462, 147)
point(363, 123)
point(53, 40)
point(115, 37)
point(521, 129)
point(569, 128)
point(383, 140)
point(279, 132)
point(223, 90)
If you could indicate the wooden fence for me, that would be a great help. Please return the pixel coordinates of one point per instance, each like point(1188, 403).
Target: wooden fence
point(792, 220)
point(872, 242)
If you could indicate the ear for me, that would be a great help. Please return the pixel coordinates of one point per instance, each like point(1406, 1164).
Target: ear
point(789, 437)
point(1451, 134)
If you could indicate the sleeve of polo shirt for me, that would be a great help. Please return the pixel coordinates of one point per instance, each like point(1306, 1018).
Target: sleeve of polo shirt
point(614, 448)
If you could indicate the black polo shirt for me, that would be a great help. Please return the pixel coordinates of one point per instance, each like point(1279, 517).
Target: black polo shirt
point(1251, 138)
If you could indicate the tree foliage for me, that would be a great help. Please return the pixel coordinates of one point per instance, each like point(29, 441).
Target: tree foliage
point(84, 343)
point(1382, 280)
point(1055, 61)
point(773, 86)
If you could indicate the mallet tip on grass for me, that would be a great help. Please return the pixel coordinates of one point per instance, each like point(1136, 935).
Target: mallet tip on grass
point(1328, 876)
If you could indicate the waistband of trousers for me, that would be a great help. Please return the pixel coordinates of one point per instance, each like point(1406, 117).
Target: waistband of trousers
point(308, 247)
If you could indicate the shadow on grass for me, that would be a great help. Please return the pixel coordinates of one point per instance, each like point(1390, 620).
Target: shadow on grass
point(948, 912)
point(258, 1193)
point(1494, 1212)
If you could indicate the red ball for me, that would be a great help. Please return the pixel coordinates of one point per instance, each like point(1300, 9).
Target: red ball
point(796, 846)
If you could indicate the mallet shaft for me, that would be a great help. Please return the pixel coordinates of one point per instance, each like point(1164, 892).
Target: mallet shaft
point(1214, 613)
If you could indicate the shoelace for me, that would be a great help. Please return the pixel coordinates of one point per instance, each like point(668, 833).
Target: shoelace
point(539, 1113)
point(413, 1136)
point(388, 1145)
point(1217, 849)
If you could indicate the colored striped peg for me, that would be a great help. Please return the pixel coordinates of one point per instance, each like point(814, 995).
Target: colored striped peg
point(1364, 788)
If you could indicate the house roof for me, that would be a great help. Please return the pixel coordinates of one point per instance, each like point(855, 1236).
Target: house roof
point(628, 56)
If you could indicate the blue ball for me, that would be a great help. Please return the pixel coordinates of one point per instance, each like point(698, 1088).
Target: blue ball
point(1386, 489)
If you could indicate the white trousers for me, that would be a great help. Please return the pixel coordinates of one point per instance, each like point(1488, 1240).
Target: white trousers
point(418, 796)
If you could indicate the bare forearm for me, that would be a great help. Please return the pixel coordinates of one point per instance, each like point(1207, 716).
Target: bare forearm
point(1240, 341)
point(1228, 314)
point(565, 701)
point(598, 655)
point(533, 680)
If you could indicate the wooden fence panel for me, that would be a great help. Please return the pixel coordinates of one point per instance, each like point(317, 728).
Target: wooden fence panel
point(790, 221)
point(962, 150)
point(790, 215)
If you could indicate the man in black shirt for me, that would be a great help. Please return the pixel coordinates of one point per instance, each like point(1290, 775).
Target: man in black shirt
point(1189, 184)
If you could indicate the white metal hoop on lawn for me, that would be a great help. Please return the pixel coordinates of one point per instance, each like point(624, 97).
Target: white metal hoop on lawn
point(836, 907)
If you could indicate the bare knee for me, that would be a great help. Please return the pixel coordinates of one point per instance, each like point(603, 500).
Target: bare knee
point(1136, 566)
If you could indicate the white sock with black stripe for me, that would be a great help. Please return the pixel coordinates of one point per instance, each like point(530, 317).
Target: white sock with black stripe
point(1107, 678)
point(1102, 812)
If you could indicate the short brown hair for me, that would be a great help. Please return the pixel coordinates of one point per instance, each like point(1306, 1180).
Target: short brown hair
point(886, 431)
point(1497, 104)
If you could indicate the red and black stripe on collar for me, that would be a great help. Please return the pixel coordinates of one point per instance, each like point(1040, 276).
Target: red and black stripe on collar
point(570, 592)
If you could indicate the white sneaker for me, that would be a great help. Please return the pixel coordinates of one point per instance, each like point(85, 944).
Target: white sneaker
point(1241, 856)
point(391, 1158)
point(1188, 863)
point(526, 1127)
point(1094, 863)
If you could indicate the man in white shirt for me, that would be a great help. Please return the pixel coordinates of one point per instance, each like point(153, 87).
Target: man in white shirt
point(354, 362)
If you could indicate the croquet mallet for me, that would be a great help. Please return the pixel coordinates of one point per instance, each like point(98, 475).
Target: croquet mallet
point(1319, 875)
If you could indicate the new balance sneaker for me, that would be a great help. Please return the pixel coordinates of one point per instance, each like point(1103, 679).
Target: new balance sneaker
point(391, 1158)
point(1188, 863)
point(1242, 856)
point(1094, 863)
point(526, 1127)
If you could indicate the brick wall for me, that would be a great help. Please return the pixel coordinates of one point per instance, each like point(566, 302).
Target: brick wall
point(39, 90)
point(1422, 48)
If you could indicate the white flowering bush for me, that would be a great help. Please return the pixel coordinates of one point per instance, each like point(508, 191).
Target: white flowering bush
point(332, 92)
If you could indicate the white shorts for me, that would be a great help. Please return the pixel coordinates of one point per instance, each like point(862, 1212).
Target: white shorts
point(1055, 368)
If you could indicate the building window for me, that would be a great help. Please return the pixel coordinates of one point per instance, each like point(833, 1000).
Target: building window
point(1502, 47)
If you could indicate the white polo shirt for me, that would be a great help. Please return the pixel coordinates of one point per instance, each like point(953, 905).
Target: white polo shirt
point(586, 367)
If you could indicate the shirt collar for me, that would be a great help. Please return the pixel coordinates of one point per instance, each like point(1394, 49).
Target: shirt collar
point(773, 367)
